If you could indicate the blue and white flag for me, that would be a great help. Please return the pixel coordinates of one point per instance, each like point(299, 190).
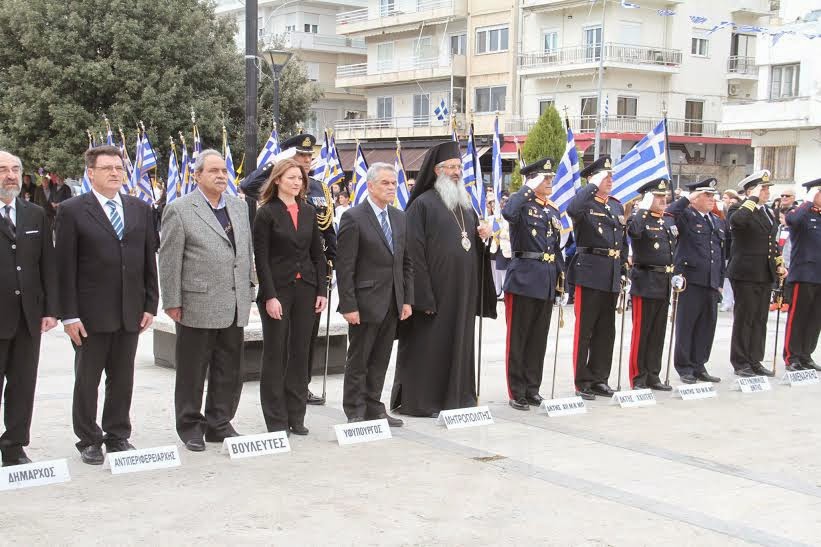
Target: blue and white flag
point(496, 161)
point(141, 181)
point(270, 149)
point(647, 161)
point(229, 164)
point(148, 159)
point(334, 172)
point(567, 180)
point(441, 111)
point(630, 5)
point(720, 26)
point(319, 166)
point(402, 194)
point(666, 12)
point(697, 19)
point(360, 175)
point(472, 177)
point(129, 167)
point(173, 184)
point(86, 187)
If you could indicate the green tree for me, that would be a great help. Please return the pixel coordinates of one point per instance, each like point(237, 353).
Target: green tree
point(66, 63)
point(548, 138)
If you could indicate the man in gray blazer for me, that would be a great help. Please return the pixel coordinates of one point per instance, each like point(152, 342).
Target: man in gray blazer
point(374, 276)
point(207, 289)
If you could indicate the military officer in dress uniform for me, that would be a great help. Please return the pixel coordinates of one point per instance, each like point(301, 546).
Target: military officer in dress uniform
point(532, 277)
point(653, 239)
point(804, 320)
point(755, 265)
point(699, 258)
point(319, 196)
point(598, 270)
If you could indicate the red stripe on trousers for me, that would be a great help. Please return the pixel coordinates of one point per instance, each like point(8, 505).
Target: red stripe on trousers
point(577, 308)
point(635, 339)
point(790, 316)
point(509, 319)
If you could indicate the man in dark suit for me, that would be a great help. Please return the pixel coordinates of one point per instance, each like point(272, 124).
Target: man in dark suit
point(28, 300)
point(375, 277)
point(699, 257)
point(755, 265)
point(106, 249)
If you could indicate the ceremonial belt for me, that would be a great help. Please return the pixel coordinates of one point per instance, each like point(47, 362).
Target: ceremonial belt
point(612, 253)
point(657, 269)
point(544, 257)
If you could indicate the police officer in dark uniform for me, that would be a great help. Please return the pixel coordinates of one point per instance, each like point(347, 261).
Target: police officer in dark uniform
point(319, 196)
point(532, 277)
point(755, 265)
point(699, 258)
point(597, 270)
point(653, 240)
point(804, 319)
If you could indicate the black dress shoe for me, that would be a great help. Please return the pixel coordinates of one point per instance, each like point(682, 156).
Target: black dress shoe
point(746, 372)
point(356, 419)
point(315, 399)
point(519, 404)
point(704, 377)
point(22, 460)
point(392, 422)
point(434, 415)
point(92, 455)
point(298, 429)
point(534, 400)
point(639, 386)
point(602, 389)
point(811, 365)
point(586, 393)
point(660, 387)
point(195, 445)
point(761, 371)
point(119, 446)
point(795, 367)
point(219, 437)
point(688, 379)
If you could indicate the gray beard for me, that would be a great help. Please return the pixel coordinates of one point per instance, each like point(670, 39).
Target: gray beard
point(8, 195)
point(452, 193)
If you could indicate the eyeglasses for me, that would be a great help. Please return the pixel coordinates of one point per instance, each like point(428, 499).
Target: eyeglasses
point(111, 169)
point(454, 167)
point(6, 170)
point(787, 196)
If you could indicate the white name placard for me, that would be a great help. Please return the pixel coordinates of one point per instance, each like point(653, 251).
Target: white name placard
point(800, 378)
point(34, 474)
point(249, 446)
point(145, 459)
point(702, 390)
point(362, 432)
point(564, 407)
point(465, 417)
point(634, 398)
point(753, 384)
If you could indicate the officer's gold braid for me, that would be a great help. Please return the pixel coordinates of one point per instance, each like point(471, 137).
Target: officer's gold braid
point(325, 219)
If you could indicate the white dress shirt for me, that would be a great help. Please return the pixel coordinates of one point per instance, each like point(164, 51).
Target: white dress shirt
point(104, 204)
point(13, 212)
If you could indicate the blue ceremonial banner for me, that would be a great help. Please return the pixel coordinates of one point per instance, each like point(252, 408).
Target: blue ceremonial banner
point(334, 172)
point(567, 180)
point(647, 161)
point(402, 194)
point(141, 182)
point(441, 111)
point(360, 173)
point(472, 176)
point(319, 167)
point(270, 149)
point(229, 164)
point(173, 182)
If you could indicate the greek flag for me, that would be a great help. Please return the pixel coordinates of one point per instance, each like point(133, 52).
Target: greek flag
point(720, 26)
point(173, 181)
point(319, 166)
point(360, 173)
point(109, 137)
point(697, 19)
point(402, 194)
point(186, 170)
point(334, 171)
point(229, 164)
point(645, 162)
point(629, 5)
point(86, 187)
point(472, 176)
point(140, 181)
point(567, 180)
point(270, 149)
point(496, 161)
point(666, 12)
point(441, 111)
point(129, 168)
point(606, 111)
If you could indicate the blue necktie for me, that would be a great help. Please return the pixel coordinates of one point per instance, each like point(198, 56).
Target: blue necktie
point(115, 219)
point(386, 229)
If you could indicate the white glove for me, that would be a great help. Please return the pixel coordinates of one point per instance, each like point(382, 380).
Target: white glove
point(596, 179)
point(685, 194)
point(646, 201)
point(811, 194)
point(754, 192)
point(535, 182)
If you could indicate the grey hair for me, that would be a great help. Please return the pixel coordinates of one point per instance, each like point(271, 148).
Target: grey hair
point(376, 168)
point(200, 161)
point(19, 161)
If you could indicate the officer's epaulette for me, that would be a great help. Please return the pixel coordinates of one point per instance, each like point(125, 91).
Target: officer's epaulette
point(666, 214)
point(539, 202)
point(655, 215)
point(749, 204)
point(617, 200)
point(549, 202)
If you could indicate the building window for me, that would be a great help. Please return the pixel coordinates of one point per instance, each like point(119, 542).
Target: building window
point(780, 160)
point(384, 57)
point(384, 107)
point(260, 27)
point(693, 117)
point(423, 48)
point(312, 71)
point(592, 44)
point(458, 44)
point(290, 28)
point(491, 40)
point(457, 103)
point(784, 82)
point(699, 47)
point(312, 29)
point(491, 99)
point(386, 7)
point(590, 111)
point(626, 107)
point(421, 110)
point(550, 41)
point(544, 104)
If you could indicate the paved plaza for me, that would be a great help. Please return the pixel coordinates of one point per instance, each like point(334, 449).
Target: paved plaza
point(737, 469)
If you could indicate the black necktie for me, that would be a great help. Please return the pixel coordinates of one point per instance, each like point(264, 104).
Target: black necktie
point(9, 222)
point(709, 221)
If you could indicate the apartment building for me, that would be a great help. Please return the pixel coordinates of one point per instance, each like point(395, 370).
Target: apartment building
point(308, 28)
point(784, 113)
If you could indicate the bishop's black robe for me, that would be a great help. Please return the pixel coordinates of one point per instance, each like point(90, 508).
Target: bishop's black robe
point(435, 364)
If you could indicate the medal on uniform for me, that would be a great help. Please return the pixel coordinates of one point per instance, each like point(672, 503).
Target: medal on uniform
point(621, 219)
point(674, 231)
point(600, 230)
point(557, 224)
point(533, 232)
point(656, 245)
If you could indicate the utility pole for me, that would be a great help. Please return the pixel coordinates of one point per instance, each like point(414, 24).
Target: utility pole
point(597, 147)
point(251, 84)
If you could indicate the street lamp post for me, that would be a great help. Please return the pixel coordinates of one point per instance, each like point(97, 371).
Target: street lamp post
point(251, 84)
point(277, 58)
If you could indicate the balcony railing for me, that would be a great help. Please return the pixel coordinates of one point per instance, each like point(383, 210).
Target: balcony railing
point(615, 53)
point(635, 125)
point(388, 9)
point(346, 71)
point(738, 64)
point(308, 40)
point(421, 125)
point(394, 65)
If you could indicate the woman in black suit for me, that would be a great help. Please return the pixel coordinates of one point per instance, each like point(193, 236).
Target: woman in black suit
point(292, 281)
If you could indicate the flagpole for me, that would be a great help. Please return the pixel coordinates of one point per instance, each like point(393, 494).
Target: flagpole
point(150, 184)
point(600, 84)
point(667, 151)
